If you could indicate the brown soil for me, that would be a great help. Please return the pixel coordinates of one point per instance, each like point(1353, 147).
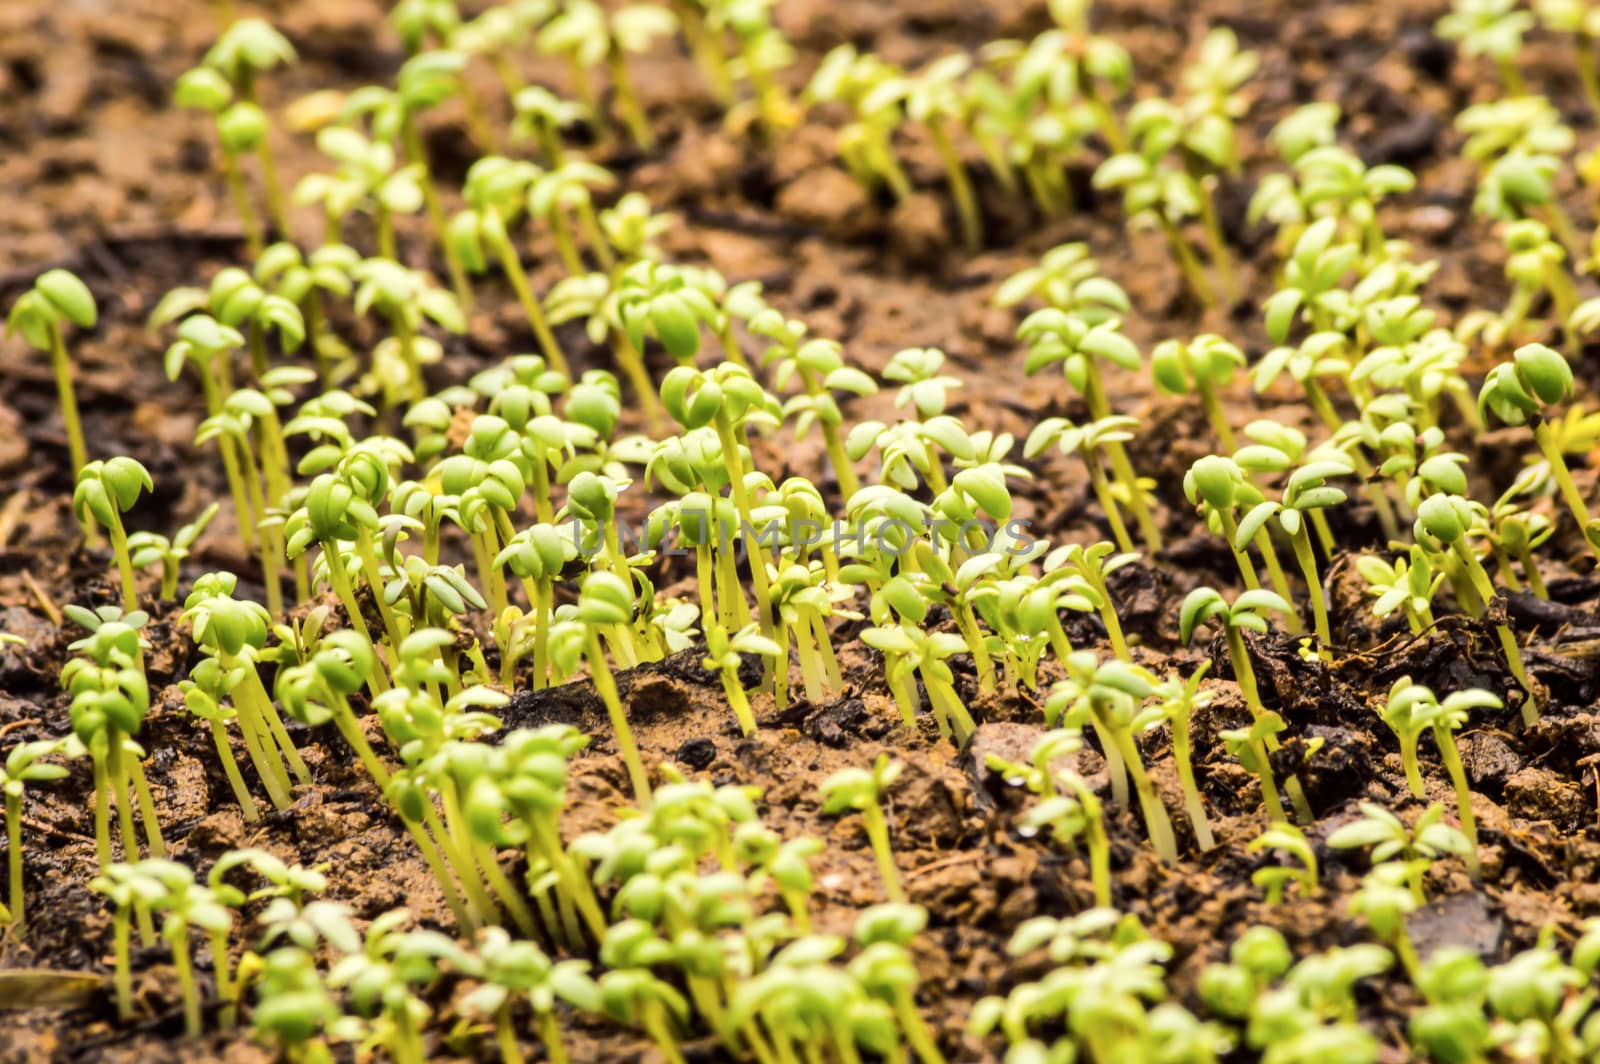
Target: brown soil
point(104, 177)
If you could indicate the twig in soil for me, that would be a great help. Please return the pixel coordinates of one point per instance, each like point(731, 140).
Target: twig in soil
point(46, 603)
point(11, 513)
point(934, 866)
point(14, 725)
point(40, 827)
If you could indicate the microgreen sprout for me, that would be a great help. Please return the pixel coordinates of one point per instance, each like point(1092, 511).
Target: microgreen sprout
point(26, 764)
point(1518, 392)
point(1441, 528)
point(38, 316)
point(1275, 879)
point(110, 698)
point(1412, 710)
point(243, 51)
point(1109, 696)
point(1244, 613)
point(865, 791)
point(1413, 850)
point(152, 548)
point(605, 604)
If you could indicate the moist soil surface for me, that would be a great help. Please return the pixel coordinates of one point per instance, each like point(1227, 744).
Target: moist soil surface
point(101, 175)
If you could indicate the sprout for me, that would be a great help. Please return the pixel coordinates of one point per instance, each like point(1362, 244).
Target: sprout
point(293, 1005)
point(588, 35)
point(104, 492)
point(495, 193)
point(1452, 1025)
point(57, 297)
point(1410, 852)
point(763, 53)
point(1579, 19)
point(1088, 441)
point(885, 969)
point(819, 368)
point(405, 298)
point(542, 115)
point(605, 603)
point(1306, 491)
point(25, 764)
point(536, 555)
point(874, 92)
point(1275, 879)
point(631, 994)
point(151, 548)
point(1204, 365)
point(424, 81)
point(1407, 584)
point(1178, 699)
point(1206, 604)
point(864, 791)
point(1413, 709)
point(110, 699)
point(1109, 696)
point(388, 976)
point(1153, 190)
point(1518, 392)
point(1384, 902)
point(1078, 340)
point(510, 970)
point(1441, 529)
point(723, 655)
point(935, 99)
point(241, 127)
point(1491, 28)
point(245, 49)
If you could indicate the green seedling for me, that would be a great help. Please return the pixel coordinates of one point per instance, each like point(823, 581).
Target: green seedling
point(865, 791)
point(405, 298)
point(1306, 491)
point(511, 971)
point(1490, 28)
point(423, 82)
point(104, 492)
point(367, 178)
point(723, 655)
point(819, 368)
point(234, 631)
point(542, 116)
point(1109, 696)
point(241, 128)
point(1441, 528)
point(934, 99)
point(606, 603)
point(1412, 710)
point(1245, 614)
point(38, 316)
point(1178, 699)
point(1411, 851)
point(25, 764)
point(243, 51)
point(495, 193)
point(589, 36)
point(152, 548)
point(387, 980)
point(1078, 340)
point(1519, 392)
point(1219, 489)
point(1204, 365)
point(1276, 879)
point(563, 199)
point(874, 93)
point(1582, 21)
